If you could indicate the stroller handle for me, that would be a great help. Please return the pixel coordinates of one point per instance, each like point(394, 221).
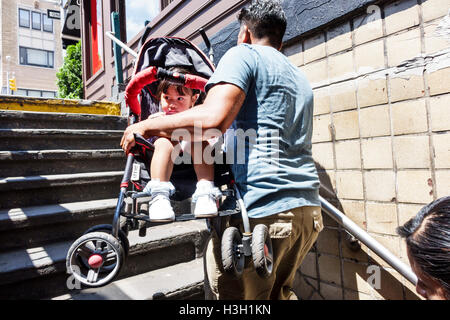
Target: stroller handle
point(152, 74)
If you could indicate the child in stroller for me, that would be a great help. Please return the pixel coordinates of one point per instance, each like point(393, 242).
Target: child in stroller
point(176, 98)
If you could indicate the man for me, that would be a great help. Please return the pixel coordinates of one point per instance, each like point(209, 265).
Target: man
point(428, 247)
point(255, 87)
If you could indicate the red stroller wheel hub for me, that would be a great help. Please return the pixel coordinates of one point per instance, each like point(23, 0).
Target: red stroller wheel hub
point(266, 250)
point(95, 261)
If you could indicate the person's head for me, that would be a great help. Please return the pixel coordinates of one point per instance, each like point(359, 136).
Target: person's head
point(175, 98)
point(428, 245)
point(262, 20)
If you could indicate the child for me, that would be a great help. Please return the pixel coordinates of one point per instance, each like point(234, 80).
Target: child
point(173, 99)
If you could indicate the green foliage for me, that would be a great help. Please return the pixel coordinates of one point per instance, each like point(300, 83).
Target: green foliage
point(69, 77)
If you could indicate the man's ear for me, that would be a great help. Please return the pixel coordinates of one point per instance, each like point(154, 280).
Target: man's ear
point(244, 35)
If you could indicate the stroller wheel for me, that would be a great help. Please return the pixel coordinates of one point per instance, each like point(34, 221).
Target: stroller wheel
point(232, 255)
point(107, 228)
point(95, 259)
point(262, 251)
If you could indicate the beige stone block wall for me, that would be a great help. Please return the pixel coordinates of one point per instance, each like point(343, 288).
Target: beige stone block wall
point(439, 111)
point(369, 57)
point(403, 46)
point(339, 38)
point(381, 139)
point(433, 9)
point(344, 97)
point(372, 92)
point(375, 121)
point(321, 101)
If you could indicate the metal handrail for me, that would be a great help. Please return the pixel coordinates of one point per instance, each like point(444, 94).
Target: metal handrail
point(121, 44)
point(370, 242)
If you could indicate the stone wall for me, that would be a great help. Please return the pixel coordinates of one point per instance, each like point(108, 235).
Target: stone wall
point(381, 137)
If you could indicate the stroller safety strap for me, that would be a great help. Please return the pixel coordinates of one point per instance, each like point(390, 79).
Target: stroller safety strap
point(152, 74)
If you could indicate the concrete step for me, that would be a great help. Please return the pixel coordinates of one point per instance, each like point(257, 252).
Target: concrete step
point(182, 281)
point(50, 120)
point(17, 192)
point(39, 272)
point(29, 227)
point(66, 139)
point(45, 162)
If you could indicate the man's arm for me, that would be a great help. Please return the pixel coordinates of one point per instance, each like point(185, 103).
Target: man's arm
point(220, 108)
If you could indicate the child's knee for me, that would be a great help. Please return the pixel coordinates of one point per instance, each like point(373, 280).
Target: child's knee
point(162, 144)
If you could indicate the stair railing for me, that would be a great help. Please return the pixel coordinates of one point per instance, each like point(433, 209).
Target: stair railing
point(370, 242)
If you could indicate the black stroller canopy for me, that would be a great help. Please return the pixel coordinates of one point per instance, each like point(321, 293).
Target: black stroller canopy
point(174, 52)
point(167, 52)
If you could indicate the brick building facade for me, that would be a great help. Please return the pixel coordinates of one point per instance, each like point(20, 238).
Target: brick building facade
point(33, 44)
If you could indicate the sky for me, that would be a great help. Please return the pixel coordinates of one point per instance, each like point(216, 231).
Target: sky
point(137, 11)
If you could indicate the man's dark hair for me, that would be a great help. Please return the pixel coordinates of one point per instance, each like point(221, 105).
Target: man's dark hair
point(265, 18)
point(428, 239)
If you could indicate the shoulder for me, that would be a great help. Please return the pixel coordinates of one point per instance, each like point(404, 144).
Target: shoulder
point(240, 51)
point(237, 66)
point(243, 47)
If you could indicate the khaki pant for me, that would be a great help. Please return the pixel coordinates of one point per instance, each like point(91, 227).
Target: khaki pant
point(293, 233)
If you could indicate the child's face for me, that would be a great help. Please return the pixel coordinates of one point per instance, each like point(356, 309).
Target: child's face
point(172, 102)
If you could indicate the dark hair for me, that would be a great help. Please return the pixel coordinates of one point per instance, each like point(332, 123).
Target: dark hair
point(428, 240)
point(164, 84)
point(265, 18)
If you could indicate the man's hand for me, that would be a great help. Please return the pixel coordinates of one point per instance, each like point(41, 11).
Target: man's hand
point(128, 136)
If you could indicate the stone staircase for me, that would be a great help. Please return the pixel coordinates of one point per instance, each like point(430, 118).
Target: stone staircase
point(60, 175)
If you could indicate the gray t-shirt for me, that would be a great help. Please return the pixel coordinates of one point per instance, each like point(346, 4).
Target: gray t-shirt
point(271, 136)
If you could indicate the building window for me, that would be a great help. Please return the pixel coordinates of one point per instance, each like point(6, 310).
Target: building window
point(165, 3)
point(47, 23)
point(24, 18)
point(34, 93)
point(20, 92)
point(36, 20)
point(48, 94)
point(36, 57)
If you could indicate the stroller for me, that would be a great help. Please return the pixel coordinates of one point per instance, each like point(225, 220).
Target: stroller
point(96, 258)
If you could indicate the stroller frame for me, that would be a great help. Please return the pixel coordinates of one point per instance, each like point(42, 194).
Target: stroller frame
point(101, 251)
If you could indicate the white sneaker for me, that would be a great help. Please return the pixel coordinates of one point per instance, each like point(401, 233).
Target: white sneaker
point(160, 209)
point(206, 198)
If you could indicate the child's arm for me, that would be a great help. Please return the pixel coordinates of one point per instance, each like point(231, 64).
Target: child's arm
point(219, 110)
point(156, 115)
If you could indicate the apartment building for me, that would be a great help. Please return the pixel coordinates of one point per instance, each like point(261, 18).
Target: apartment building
point(31, 49)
